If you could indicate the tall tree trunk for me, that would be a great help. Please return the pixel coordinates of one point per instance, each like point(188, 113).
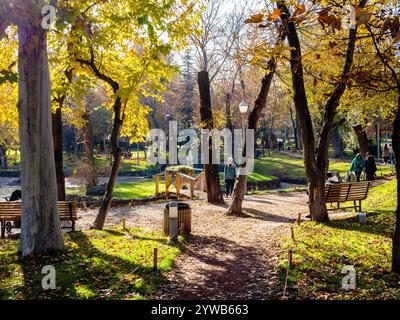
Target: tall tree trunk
point(240, 187)
point(116, 164)
point(298, 133)
point(3, 159)
point(337, 143)
point(58, 140)
point(396, 150)
point(115, 149)
point(214, 192)
point(315, 168)
point(362, 139)
point(58, 151)
point(40, 225)
point(89, 151)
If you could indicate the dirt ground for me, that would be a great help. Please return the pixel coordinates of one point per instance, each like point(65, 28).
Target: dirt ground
point(225, 257)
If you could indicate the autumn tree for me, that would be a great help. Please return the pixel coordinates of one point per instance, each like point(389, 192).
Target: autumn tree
point(316, 153)
point(40, 228)
point(384, 36)
point(139, 72)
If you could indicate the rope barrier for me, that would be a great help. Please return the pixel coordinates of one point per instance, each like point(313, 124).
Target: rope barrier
point(155, 258)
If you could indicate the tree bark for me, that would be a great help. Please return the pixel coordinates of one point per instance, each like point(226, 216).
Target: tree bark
point(58, 141)
point(40, 225)
point(58, 152)
point(362, 139)
point(337, 143)
point(298, 133)
point(214, 192)
point(294, 125)
point(3, 159)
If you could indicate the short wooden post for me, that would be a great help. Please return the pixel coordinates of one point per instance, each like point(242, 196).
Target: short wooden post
point(299, 219)
point(157, 185)
point(290, 258)
point(124, 223)
point(155, 259)
point(202, 182)
point(292, 232)
point(166, 185)
point(178, 184)
point(191, 189)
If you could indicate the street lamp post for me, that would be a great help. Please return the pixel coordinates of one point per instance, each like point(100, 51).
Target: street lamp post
point(243, 108)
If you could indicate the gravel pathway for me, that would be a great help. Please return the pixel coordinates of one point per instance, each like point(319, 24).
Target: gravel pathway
point(226, 257)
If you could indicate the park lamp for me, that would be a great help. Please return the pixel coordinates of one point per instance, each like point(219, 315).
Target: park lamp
point(243, 107)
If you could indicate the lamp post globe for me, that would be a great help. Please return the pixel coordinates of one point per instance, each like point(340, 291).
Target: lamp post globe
point(243, 107)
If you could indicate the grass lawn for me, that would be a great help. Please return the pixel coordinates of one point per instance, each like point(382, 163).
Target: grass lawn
point(282, 165)
point(265, 169)
point(138, 190)
point(91, 263)
point(127, 165)
point(321, 251)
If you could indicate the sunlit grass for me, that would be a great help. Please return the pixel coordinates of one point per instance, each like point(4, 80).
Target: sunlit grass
point(92, 263)
point(321, 251)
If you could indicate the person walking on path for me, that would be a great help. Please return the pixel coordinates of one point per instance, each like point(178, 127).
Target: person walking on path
point(229, 175)
point(357, 166)
point(385, 154)
point(370, 167)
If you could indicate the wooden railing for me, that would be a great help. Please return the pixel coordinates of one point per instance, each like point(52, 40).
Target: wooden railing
point(177, 179)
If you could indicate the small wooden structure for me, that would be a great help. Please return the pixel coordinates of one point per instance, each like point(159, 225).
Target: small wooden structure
point(178, 180)
point(344, 192)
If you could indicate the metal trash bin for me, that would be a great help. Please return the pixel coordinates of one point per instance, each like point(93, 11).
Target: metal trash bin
point(184, 217)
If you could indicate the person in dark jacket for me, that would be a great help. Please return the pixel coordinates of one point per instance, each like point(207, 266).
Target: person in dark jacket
point(357, 166)
point(370, 167)
point(229, 176)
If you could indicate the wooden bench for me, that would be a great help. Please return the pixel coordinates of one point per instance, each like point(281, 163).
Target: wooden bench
point(11, 212)
point(344, 192)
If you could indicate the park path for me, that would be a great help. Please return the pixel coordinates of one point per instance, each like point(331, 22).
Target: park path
point(225, 257)
point(234, 258)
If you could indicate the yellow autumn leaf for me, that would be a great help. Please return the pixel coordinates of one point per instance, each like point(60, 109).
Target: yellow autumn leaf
point(274, 15)
point(299, 9)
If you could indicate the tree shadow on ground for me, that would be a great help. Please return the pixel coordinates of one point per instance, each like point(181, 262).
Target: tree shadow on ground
point(379, 223)
point(221, 269)
point(265, 216)
point(83, 271)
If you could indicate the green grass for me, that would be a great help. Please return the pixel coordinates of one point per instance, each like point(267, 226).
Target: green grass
point(321, 251)
point(128, 190)
point(13, 157)
point(91, 263)
point(282, 165)
point(265, 169)
point(127, 165)
point(137, 190)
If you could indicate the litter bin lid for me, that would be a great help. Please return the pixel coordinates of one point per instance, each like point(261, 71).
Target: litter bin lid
point(181, 205)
